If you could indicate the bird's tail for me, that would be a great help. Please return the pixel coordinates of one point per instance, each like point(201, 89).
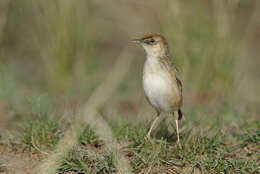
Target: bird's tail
point(180, 114)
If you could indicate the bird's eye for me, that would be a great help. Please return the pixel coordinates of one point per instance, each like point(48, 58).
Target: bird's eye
point(149, 41)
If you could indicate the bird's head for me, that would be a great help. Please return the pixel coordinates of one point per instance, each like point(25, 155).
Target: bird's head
point(154, 44)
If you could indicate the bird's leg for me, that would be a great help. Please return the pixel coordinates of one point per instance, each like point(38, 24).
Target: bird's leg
point(150, 130)
point(176, 116)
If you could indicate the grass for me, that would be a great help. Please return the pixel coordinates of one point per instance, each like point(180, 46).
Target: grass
point(40, 132)
point(212, 151)
point(54, 53)
point(211, 154)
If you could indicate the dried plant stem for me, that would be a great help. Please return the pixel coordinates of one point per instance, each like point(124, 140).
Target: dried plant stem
point(88, 115)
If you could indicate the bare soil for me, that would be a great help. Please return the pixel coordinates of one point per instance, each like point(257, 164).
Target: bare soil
point(17, 161)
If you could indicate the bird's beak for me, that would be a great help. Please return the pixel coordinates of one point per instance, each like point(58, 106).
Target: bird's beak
point(137, 40)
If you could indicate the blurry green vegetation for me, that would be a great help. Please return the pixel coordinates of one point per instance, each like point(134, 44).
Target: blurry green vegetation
point(63, 43)
point(54, 53)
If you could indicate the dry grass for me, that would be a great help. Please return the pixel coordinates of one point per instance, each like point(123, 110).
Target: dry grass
point(89, 116)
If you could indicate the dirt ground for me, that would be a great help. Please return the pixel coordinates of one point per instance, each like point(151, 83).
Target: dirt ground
point(14, 161)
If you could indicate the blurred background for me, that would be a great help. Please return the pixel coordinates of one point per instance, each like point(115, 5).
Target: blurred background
point(53, 54)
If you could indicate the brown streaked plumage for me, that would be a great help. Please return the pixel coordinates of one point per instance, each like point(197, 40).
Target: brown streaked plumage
point(169, 66)
point(162, 86)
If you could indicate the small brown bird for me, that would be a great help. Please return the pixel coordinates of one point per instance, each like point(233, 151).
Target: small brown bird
point(162, 86)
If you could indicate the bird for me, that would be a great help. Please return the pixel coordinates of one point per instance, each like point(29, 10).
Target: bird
point(161, 83)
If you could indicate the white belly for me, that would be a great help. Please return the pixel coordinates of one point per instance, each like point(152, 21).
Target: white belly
point(157, 88)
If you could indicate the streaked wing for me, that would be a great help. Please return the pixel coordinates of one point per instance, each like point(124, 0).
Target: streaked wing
point(179, 82)
point(166, 62)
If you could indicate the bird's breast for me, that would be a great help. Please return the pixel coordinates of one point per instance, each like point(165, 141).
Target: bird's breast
point(158, 87)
